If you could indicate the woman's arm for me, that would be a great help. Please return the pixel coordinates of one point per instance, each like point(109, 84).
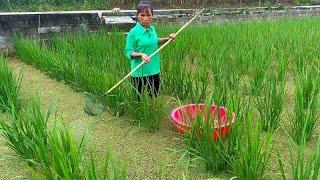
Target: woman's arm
point(143, 56)
point(164, 40)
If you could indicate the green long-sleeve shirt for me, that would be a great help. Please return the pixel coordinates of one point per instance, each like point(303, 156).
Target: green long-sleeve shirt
point(142, 40)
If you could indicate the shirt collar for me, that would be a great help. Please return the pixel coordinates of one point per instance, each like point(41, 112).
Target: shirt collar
point(142, 30)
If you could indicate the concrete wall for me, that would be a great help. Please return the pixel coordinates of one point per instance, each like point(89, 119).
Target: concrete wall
point(44, 24)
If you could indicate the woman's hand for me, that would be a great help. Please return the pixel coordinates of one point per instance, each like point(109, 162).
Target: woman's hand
point(172, 36)
point(145, 58)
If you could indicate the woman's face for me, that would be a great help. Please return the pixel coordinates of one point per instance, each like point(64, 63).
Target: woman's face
point(145, 18)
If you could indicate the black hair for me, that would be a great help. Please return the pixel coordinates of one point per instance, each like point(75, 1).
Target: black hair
point(144, 5)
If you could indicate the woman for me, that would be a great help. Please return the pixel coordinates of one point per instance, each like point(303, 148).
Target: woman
point(142, 41)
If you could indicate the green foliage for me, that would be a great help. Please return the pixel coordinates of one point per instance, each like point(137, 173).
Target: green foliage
point(232, 58)
point(42, 5)
point(252, 159)
point(54, 153)
point(27, 133)
point(280, 6)
point(302, 165)
point(270, 104)
point(9, 87)
point(217, 154)
point(306, 104)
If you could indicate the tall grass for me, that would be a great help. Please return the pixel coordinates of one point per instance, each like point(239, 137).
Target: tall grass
point(9, 87)
point(84, 71)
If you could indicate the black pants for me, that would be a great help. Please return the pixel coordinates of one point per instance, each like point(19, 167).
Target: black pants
point(151, 83)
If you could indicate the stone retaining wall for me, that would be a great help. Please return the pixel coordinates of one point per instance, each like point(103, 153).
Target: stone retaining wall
point(44, 24)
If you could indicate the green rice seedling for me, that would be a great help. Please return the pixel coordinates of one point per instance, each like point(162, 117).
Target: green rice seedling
point(54, 153)
point(173, 81)
point(26, 134)
point(252, 159)
point(66, 159)
point(199, 142)
point(306, 104)
point(64, 156)
point(306, 168)
point(221, 92)
point(148, 112)
point(271, 104)
point(9, 87)
point(201, 86)
point(220, 86)
point(109, 170)
point(282, 68)
point(91, 80)
point(258, 76)
point(302, 165)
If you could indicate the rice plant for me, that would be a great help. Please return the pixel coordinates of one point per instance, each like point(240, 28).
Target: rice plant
point(148, 111)
point(9, 87)
point(306, 104)
point(282, 67)
point(306, 168)
point(258, 75)
point(109, 170)
point(66, 159)
point(54, 153)
point(27, 133)
point(271, 104)
point(301, 164)
point(200, 142)
point(252, 159)
point(223, 61)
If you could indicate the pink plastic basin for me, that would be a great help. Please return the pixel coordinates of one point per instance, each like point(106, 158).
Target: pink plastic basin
point(181, 117)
